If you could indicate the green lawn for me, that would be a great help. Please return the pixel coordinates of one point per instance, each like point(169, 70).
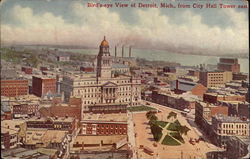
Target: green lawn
point(172, 127)
point(161, 123)
point(156, 131)
point(168, 140)
point(177, 136)
point(140, 108)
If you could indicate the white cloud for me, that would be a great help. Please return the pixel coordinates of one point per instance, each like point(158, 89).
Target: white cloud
point(152, 29)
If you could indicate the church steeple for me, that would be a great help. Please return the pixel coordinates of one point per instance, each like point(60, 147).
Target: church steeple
point(104, 60)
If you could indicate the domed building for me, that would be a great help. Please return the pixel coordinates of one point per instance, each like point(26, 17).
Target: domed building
point(104, 91)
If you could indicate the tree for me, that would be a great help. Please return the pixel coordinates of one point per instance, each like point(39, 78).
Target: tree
point(149, 114)
point(183, 130)
point(156, 131)
point(153, 118)
point(172, 114)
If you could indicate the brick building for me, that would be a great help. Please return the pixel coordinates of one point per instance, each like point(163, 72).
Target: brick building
point(12, 88)
point(195, 73)
point(204, 113)
point(181, 102)
point(8, 138)
point(43, 85)
point(24, 109)
point(169, 69)
point(61, 111)
point(215, 97)
point(244, 110)
point(240, 76)
point(86, 69)
point(53, 123)
point(215, 78)
point(104, 124)
point(229, 64)
point(27, 70)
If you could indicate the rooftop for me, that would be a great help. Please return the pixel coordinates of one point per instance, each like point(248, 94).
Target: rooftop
point(54, 119)
point(121, 117)
point(11, 126)
point(97, 139)
point(230, 119)
point(45, 136)
point(118, 65)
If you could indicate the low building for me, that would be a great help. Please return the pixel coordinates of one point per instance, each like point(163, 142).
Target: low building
point(6, 113)
point(24, 109)
point(39, 153)
point(233, 106)
point(105, 108)
point(228, 126)
point(120, 68)
point(215, 97)
point(104, 124)
point(181, 86)
point(204, 113)
point(52, 140)
point(12, 133)
point(240, 76)
point(8, 138)
point(14, 87)
point(169, 69)
point(238, 147)
point(87, 69)
point(235, 147)
point(61, 111)
point(195, 73)
point(243, 110)
point(43, 85)
point(63, 58)
point(181, 102)
point(27, 70)
point(53, 123)
point(229, 64)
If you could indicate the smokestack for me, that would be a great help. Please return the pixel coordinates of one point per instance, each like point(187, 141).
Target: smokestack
point(122, 50)
point(129, 51)
point(115, 51)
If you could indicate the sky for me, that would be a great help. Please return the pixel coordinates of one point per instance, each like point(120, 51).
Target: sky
point(71, 22)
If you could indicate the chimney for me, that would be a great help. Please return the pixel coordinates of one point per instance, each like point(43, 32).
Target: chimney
point(122, 50)
point(115, 51)
point(129, 51)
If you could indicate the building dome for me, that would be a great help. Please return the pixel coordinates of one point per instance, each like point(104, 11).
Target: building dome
point(104, 43)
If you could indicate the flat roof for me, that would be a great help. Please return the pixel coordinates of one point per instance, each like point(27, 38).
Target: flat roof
point(59, 119)
point(231, 119)
point(10, 126)
point(115, 117)
point(45, 136)
point(97, 139)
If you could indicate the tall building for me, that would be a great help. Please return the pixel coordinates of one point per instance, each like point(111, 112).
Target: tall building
point(104, 87)
point(229, 64)
point(43, 85)
point(15, 87)
point(215, 78)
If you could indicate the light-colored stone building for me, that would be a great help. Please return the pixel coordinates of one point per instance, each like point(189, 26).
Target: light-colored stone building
point(104, 87)
point(230, 126)
point(215, 78)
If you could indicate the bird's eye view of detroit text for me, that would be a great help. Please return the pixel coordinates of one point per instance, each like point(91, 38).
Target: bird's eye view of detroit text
point(124, 79)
